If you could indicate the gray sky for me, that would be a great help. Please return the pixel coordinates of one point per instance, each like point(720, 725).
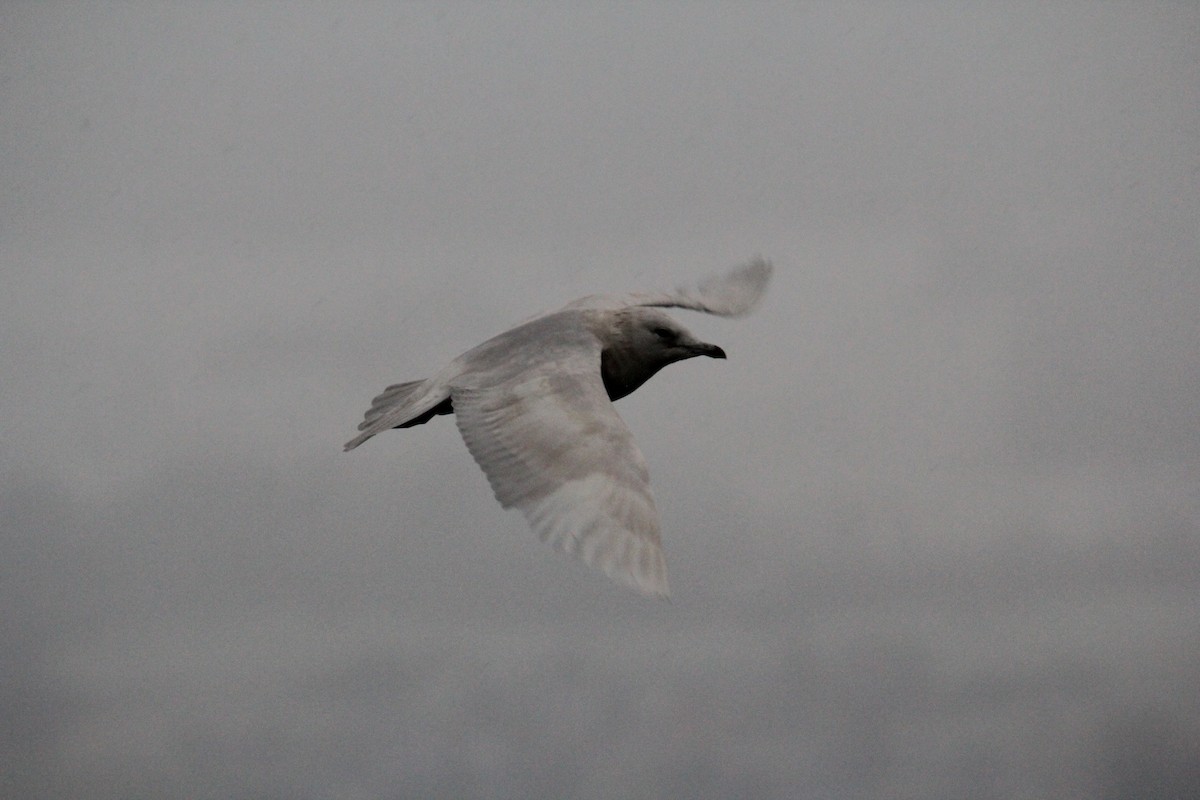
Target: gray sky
point(933, 529)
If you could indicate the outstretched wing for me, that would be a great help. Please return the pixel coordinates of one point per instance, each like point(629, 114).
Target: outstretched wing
point(551, 444)
point(730, 295)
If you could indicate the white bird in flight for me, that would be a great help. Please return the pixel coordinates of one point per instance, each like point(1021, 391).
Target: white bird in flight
point(534, 407)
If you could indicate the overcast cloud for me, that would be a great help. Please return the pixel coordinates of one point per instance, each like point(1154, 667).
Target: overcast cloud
point(933, 529)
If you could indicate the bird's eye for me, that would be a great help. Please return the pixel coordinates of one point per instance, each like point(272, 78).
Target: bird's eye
point(666, 334)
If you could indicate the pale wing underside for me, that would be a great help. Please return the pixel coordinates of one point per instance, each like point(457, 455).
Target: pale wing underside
point(552, 445)
point(729, 295)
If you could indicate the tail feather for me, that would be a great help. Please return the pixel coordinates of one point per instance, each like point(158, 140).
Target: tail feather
point(389, 398)
point(399, 406)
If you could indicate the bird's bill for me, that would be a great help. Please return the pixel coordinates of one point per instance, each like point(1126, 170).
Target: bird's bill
point(705, 349)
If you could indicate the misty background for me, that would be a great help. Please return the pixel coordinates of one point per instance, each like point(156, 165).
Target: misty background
point(933, 529)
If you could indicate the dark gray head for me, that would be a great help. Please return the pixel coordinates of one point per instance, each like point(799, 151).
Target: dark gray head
point(642, 341)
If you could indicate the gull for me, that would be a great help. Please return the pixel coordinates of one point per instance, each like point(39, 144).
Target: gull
point(535, 408)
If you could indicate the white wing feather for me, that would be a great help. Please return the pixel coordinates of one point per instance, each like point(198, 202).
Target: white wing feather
point(733, 294)
point(552, 445)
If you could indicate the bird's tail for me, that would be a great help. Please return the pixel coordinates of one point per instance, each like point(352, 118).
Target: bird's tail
point(401, 405)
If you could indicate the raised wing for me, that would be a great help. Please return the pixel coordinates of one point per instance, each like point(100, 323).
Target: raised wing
point(730, 295)
point(552, 445)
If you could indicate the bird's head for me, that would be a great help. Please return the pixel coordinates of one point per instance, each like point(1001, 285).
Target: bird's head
point(660, 340)
point(639, 342)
